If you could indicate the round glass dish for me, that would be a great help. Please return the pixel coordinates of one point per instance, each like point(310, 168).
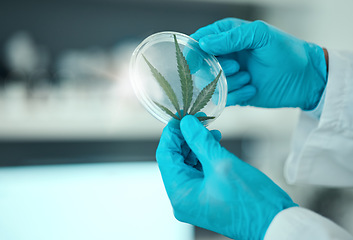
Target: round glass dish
point(197, 84)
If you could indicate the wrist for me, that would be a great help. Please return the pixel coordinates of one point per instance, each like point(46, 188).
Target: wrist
point(326, 60)
point(316, 77)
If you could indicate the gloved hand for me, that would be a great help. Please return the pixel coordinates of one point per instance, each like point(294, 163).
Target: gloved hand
point(276, 69)
point(226, 195)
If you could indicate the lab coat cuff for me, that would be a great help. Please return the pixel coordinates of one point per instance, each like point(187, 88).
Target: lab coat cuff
point(322, 149)
point(299, 223)
point(316, 112)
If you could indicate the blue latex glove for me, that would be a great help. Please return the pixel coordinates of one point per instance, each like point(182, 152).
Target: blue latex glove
point(226, 195)
point(276, 69)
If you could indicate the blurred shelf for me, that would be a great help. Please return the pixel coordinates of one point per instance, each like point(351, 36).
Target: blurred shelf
point(49, 152)
point(117, 116)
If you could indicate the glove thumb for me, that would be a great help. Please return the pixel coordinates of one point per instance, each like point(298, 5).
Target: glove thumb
point(201, 141)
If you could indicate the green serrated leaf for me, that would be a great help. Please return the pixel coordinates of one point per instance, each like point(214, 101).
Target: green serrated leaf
point(166, 110)
point(185, 77)
point(204, 118)
point(205, 95)
point(164, 85)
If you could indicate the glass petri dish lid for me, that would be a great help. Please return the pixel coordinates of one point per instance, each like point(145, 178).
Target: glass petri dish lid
point(172, 77)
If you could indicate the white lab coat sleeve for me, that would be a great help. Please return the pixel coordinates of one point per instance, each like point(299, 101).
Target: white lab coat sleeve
point(299, 223)
point(322, 151)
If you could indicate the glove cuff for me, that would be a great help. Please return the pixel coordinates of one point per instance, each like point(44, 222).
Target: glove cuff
point(317, 75)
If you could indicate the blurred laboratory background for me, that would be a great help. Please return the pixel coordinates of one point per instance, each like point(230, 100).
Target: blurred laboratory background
point(77, 148)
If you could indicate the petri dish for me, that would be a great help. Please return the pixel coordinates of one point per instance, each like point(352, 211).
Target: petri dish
point(159, 52)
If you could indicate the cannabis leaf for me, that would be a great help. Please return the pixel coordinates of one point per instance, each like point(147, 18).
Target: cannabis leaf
point(185, 77)
point(204, 118)
point(166, 110)
point(165, 85)
point(205, 95)
point(186, 87)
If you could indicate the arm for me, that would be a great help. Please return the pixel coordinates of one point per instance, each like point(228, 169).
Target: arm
point(289, 72)
point(323, 141)
point(285, 72)
point(227, 195)
point(299, 223)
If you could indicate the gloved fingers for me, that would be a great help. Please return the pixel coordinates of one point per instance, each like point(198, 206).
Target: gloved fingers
point(170, 157)
point(218, 27)
point(204, 31)
point(191, 158)
point(237, 81)
point(229, 66)
point(238, 97)
point(170, 143)
point(201, 142)
point(246, 36)
point(217, 135)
